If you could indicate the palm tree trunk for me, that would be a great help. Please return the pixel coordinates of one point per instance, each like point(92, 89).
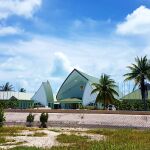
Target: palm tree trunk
point(104, 103)
point(143, 90)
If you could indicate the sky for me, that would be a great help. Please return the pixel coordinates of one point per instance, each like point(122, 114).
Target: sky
point(44, 40)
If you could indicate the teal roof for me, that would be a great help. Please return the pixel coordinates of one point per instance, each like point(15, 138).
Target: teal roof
point(71, 86)
point(135, 95)
point(48, 91)
point(71, 100)
point(90, 78)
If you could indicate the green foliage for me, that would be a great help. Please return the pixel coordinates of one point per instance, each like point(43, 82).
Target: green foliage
point(38, 134)
point(22, 90)
point(115, 139)
point(105, 89)
point(9, 103)
point(136, 105)
point(2, 117)
point(64, 138)
point(6, 87)
point(44, 119)
point(139, 72)
point(30, 120)
point(26, 148)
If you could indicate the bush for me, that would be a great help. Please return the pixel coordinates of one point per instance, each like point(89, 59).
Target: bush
point(44, 119)
point(2, 117)
point(30, 120)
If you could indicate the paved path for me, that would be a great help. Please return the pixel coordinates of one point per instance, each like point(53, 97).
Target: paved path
point(86, 120)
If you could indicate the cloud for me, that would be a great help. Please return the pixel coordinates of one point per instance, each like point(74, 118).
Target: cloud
point(136, 23)
point(25, 8)
point(10, 30)
point(48, 58)
point(61, 65)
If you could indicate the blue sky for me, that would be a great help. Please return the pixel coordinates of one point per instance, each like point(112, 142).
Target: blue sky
point(45, 39)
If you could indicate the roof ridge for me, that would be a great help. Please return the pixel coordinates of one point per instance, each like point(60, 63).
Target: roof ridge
point(89, 77)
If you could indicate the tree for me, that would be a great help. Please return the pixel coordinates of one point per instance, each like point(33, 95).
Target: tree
point(6, 87)
point(105, 90)
point(140, 72)
point(44, 119)
point(22, 90)
point(2, 117)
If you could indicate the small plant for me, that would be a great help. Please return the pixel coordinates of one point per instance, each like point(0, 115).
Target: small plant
point(30, 120)
point(43, 120)
point(2, 117)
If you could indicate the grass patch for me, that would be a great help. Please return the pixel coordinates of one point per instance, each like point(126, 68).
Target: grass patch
point(55, 130)
point(116, 139)
point(26, 148)
point(13, 131)
point(38, 134)
point(3, 140)
point(63, 138)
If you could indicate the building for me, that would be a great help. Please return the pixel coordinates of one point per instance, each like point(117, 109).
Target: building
point(44, 96)
point(76, 90)
point(23, 99)
point(136, 95)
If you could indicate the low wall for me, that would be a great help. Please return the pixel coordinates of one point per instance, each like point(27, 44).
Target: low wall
point(83, 120)
point(78, 111)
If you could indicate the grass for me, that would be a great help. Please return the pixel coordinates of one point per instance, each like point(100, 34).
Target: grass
point(13, 131)
point(25, 148)
point(116, 139)
point(63, 138)
point(55, 130)
point(38, 134)
point(3, 140)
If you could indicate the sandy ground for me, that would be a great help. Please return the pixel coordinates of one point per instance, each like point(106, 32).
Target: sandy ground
point(46, 141)
point(87, 119)
point(50, 139)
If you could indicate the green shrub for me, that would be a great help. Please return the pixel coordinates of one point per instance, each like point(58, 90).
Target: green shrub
point(2, 117)
point(30, 120)
point(44, 119)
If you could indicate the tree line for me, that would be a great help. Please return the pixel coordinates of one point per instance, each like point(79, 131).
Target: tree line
point(139, 72)
point(9, 87)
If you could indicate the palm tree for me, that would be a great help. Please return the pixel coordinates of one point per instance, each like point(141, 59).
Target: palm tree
point(6, 87)
point(139, 72)
point(105, 90)
point(22, 90)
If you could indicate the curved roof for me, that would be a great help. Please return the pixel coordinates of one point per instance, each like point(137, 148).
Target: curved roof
point(71, 87)
point(48, 91)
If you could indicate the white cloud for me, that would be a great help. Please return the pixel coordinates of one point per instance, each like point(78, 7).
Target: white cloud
point(136, 23)
point(24, 8)
point(9, 30)
point(61, 65)
point(40, 58)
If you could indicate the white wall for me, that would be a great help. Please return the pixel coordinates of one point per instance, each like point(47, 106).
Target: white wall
point(40, 96)
point(87, 96)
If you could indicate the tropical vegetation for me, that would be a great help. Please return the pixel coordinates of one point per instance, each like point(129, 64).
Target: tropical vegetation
point(140, 73)
point(6, 87)
point(2, 117)
point(30, 120)
point(105, 89)
point(22, 90)
point(43, 120)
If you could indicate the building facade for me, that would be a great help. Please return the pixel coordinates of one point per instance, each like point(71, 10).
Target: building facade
point(76, 90)
point(44, 96)
point(22, 100)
